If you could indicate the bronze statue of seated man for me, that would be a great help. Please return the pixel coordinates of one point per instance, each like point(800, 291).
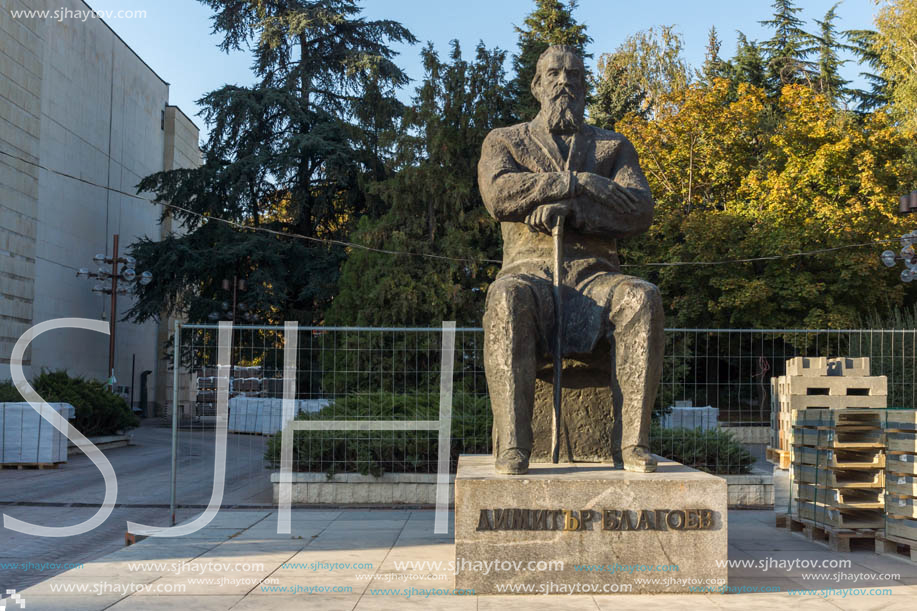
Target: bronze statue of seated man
point(531, 176)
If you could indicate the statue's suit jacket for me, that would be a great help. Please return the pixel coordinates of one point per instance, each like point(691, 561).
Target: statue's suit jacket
point(521, 168)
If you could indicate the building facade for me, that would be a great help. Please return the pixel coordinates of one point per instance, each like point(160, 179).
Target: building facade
point(82, 120)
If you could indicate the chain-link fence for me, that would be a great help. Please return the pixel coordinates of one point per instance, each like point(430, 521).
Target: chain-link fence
point(713, 409)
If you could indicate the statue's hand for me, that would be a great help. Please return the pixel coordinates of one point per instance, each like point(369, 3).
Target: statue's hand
point(544, 217)
point(607, 192)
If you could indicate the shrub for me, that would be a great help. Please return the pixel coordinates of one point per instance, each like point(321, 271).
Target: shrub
point(98, 411)
point(376, 452)
point(714, 451)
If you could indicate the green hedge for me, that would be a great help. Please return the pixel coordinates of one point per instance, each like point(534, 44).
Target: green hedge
point(377, 452)
point(714, 451)
point(98, 410)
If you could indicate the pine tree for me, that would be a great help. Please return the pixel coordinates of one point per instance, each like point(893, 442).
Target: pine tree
point(748, 65)
point(714, 66)
point(289, 154)
point(863, 44)
point(617, 93)
point(786, 51)
point(828, 80)
point(433, 204)
point(551, 23)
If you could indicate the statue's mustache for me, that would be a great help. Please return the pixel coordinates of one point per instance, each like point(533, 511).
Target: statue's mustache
point(564, 92)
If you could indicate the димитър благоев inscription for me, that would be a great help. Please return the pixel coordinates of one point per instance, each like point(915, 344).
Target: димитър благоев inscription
point(584, 519)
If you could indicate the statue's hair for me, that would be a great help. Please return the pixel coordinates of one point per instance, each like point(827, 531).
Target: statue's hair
point(539, 65)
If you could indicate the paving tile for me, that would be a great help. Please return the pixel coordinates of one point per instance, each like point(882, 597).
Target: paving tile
point(769, 602)
point(417, 601)
point(73, 602)
point(297, 602)
point(375, 514)
point(536, 603)
point(639, 602)
point(198, 603)
point(348, 525)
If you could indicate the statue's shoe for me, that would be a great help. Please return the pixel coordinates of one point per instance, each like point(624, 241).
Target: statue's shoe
point(638, 459)
point(512, 462)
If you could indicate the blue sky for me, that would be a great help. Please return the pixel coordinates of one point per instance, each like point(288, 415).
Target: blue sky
point(175, 40)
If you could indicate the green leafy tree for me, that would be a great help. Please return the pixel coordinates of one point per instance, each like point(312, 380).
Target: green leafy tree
point(638, 75)
point(734, 180)
point(551, 23)
point(290, 154)
point(896, 46)
point(617, 92)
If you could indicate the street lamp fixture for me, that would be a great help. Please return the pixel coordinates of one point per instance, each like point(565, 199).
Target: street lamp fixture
point(125, 274)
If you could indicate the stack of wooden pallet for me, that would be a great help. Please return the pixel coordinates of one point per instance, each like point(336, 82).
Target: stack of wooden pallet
point(838, 467)
point(900, 483)
point(819, 383)
point(837, 448)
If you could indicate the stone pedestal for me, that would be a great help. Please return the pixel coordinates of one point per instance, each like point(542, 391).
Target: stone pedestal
point(583, 528)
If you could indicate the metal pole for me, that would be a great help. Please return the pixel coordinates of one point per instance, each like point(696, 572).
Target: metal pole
point(175, 364)
point(114, 311)
point(232, 372)
point(558, 235)
point(133, 372)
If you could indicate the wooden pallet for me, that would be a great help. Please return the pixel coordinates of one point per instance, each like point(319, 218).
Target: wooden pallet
point(902, 441)
point(901, 484)
point(842, 498)
point(848, 519)
point(901, 463)
point(838, 478)
point(904, 420)
point(901, 528)
point(31, 465)
point(838, 539)
point(849, 418)
point(780, 458)
point(839, 438)
point(896, 546)
point(840, 459)
point(901, 506)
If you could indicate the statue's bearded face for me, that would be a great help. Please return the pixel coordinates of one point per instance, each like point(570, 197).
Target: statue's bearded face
point(560, 87)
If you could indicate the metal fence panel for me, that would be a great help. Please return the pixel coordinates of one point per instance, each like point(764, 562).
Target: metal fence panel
point(353, 373)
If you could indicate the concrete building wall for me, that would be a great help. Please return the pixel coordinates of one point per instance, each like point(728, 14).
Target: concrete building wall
point(97, 127)
point(21, 72)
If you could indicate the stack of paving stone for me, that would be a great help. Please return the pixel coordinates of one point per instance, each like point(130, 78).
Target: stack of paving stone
point(819, 383)
point(838, 467)
point(837, 447)
point(900, 482)
point(27, 439)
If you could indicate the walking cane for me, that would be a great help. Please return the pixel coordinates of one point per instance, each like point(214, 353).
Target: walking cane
point(558, 234)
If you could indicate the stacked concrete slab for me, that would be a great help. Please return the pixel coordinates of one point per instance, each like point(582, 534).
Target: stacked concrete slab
point(900, 482)
point(838, 467)
point(28, 439)
point(689, 417)
point(819, 383)
point(264, 416)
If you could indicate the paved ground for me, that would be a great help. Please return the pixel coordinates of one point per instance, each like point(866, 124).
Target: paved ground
point(381, 538)
point(70, 494)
